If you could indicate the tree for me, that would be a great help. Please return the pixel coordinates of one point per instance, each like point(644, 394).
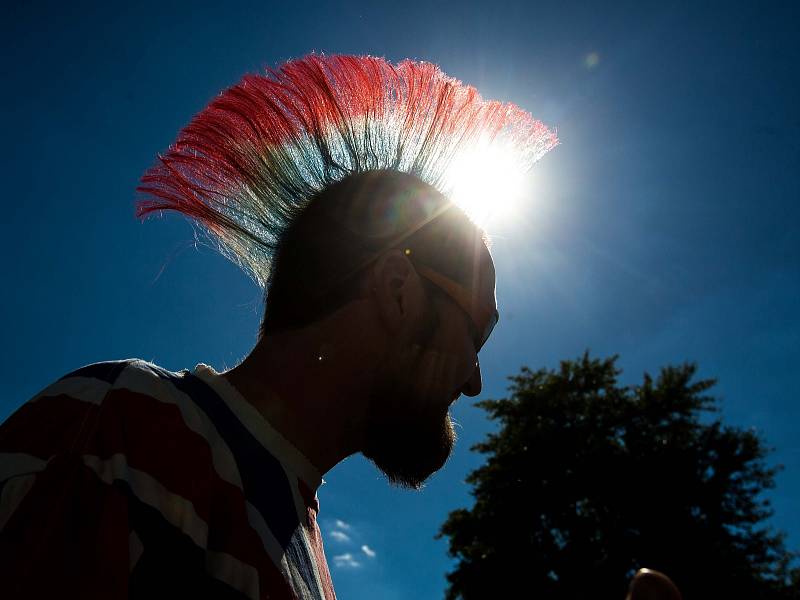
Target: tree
point(587, 480)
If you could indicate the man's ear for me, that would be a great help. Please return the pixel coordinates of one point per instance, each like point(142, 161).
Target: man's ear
point(396, 287)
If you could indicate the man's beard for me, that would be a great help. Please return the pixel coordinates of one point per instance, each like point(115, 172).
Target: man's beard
point(407, 445)
point(409, 433)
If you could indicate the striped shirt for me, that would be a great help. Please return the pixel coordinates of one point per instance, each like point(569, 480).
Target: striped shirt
point(125, 480)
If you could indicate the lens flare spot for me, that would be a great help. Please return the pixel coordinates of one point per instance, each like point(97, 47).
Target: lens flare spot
point(591, 60)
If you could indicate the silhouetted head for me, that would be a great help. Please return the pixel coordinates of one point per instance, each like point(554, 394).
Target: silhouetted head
point(324, 253)
point(395, 240)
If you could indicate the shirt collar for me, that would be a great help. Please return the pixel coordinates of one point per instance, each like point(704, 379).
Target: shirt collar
point(260, 428)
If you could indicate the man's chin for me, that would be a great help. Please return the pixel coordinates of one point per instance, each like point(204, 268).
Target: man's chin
point(408, 478)
point(407, 458)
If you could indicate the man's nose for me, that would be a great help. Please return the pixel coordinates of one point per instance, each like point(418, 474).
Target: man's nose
point(474, 384)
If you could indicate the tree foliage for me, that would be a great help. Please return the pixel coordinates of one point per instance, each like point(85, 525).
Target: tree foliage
point(587, 480)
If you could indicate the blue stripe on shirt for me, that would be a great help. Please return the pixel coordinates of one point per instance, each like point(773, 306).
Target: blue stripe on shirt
point(264, 481)
point(104, 371)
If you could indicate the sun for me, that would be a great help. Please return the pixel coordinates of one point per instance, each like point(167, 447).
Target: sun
point(487, 182)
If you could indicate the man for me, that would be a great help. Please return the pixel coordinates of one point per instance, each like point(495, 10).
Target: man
point(326, 181)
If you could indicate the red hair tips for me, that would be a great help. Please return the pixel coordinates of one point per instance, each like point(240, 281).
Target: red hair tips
point(247, 164)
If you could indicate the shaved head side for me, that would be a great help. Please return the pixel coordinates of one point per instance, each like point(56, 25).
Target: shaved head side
point(323, 252)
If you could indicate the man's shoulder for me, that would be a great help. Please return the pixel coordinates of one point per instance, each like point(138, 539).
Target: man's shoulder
point(101, 377)
point(112, 408)
point(100, 410)
point(93, 383)
point(108, 372)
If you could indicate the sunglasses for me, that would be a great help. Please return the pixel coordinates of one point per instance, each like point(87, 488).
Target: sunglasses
point(484, 318)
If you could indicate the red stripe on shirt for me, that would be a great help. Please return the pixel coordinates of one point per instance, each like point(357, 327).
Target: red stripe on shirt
point(315, 540)
point(154, 439)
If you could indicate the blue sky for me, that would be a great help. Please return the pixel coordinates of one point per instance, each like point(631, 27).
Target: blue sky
point(664, 228)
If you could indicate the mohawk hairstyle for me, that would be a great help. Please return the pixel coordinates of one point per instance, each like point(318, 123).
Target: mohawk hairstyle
point(247, 165)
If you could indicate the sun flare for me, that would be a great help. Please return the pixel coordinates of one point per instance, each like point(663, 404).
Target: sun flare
point(487, 183)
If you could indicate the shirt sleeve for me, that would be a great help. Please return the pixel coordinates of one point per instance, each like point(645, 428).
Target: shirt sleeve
point(64, 528)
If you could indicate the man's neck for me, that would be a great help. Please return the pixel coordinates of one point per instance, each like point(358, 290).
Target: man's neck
point(313, 393)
